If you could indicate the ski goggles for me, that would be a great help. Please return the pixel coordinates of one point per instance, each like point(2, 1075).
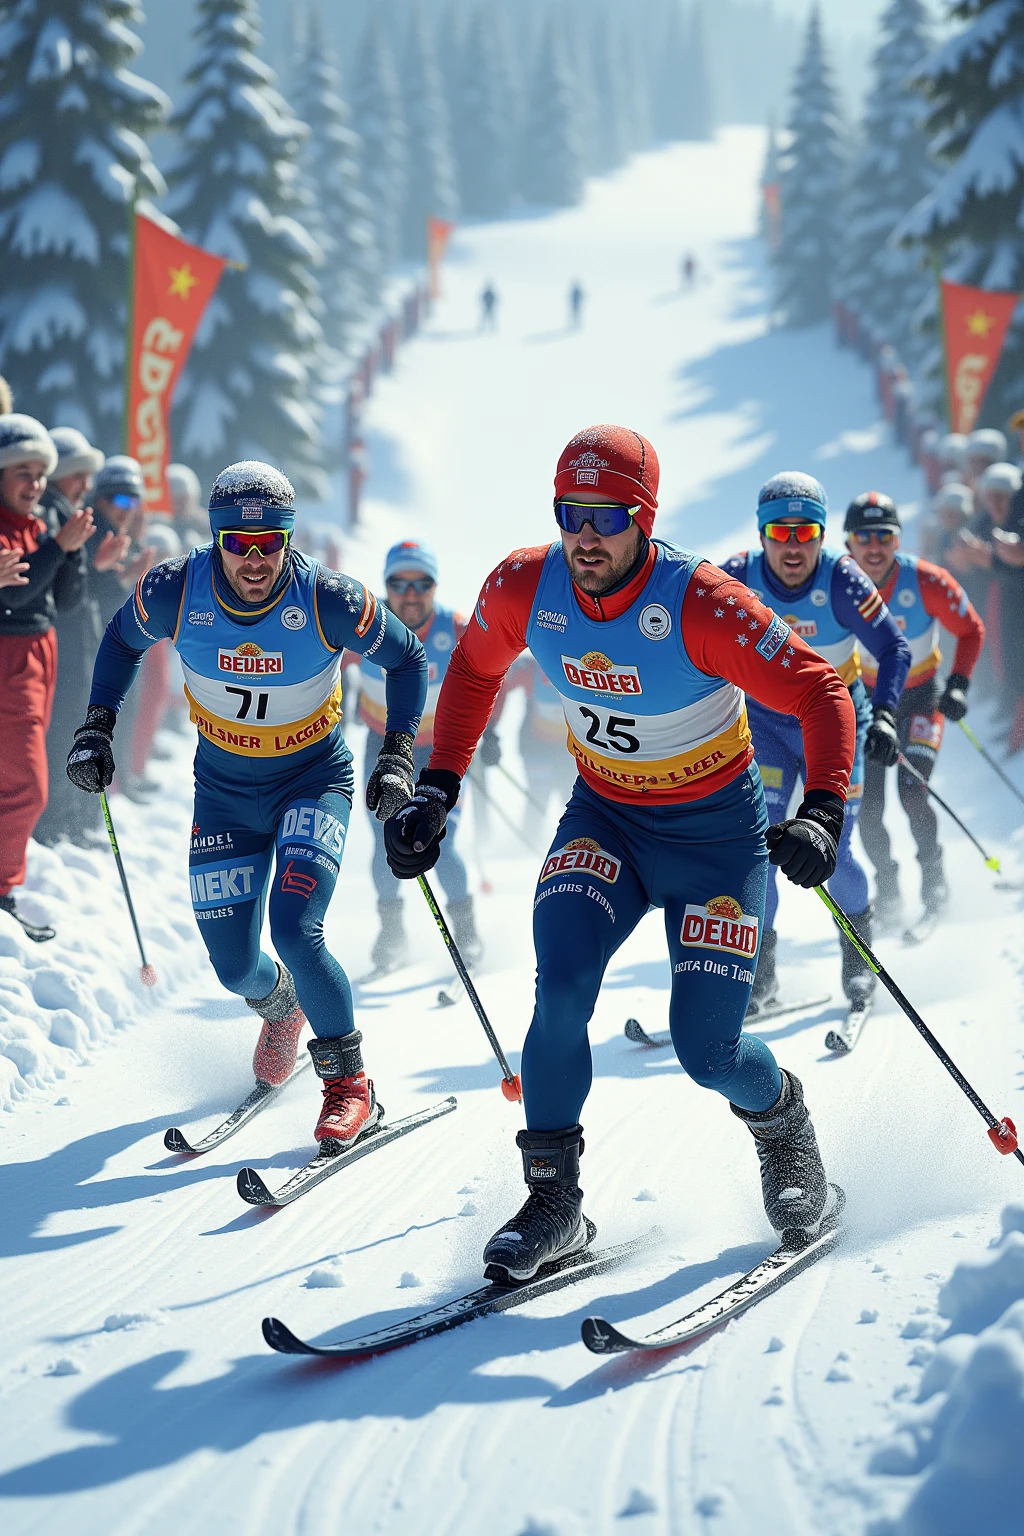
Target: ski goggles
point(781, 533)
point(863, 536)
point(125, 503)
point(242, 541)
point(606, 519)
point(401, 585)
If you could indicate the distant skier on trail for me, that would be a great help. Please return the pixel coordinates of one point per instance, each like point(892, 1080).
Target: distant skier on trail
point(261, 630)
point(921, 597)
point(576, 301)
point(651, 649)
point(410, 578)
point(489, 308)
point(823, 597)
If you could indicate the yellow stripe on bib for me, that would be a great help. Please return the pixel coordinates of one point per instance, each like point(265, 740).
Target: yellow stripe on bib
point(668, 773)
point(247, 740)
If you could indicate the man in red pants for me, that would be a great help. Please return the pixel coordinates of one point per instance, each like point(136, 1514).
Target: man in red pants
point(54, 579)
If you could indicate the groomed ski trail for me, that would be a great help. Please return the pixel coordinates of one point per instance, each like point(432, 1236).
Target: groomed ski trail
point(138, 1395)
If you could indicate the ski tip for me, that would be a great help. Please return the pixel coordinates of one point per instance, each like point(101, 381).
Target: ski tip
point(252, 1188)
point(601, 1338)
point(634, 1031)
point(280, 1338)
point(835, 1043)
point(444, 1001)
point(174, 1141)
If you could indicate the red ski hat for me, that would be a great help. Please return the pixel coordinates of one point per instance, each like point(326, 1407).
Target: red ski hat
point(614, 460)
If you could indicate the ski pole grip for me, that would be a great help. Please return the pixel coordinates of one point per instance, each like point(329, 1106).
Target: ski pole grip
point(1004, 1136)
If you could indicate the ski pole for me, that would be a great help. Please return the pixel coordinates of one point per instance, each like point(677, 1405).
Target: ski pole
point(510, 1084)
point(541, 809)
point(990, 760)
point(990, 861)
point(147, 975)
point(1002, 1133)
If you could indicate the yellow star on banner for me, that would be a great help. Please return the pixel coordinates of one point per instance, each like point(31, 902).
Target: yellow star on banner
point(979, 324)
point(182, 280)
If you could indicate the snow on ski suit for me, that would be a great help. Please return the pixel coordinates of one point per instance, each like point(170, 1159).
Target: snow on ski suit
point(834, 609)
point(668, 808)
point(272, 769)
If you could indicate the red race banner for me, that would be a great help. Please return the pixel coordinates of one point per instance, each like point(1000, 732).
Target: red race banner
point(439, 232)
point(974, 322)
point(173, 283)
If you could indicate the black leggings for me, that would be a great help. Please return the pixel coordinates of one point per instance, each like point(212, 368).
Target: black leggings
point(920, 728)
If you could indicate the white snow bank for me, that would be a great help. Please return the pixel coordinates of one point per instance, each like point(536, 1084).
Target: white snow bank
point(61, 999)
point(967, 1428)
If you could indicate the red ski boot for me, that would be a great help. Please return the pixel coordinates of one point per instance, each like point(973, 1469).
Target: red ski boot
point(274, 1058)
point(350, 1107)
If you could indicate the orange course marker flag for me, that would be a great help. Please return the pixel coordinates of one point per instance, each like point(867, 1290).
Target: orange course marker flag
point(173, 283)
point(975, 322)
point(439, 232)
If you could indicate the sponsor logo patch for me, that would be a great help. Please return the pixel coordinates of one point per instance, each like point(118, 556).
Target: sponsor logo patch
point(805, 628)
point(212, 885)
point(294, 618)
point(582, 855)
point(774, 638)
point(819, 597)
point(720, 923)
point(772, 777)
point(588, 467)
point(598, 674)
point(197, 617)
point(655, 621)
point(546, 619)
point(442, 642)
point(925, 731)
point(250, 660)
point(252, 511)
point(907, 599)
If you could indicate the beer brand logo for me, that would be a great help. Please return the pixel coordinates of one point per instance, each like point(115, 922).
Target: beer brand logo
point(805, 628)
point(720, 923)
point(588, 467)
point(581, 855)
point(597, 673)
point(250, 660)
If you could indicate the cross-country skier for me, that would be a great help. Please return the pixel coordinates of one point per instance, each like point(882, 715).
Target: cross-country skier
point(410, 579)
point(260, 630)
point(921, 597)
point(826, 600)
point(651, 649)
point(550, 768)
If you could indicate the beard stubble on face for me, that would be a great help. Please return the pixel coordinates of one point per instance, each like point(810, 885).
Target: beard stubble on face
point(613, 563)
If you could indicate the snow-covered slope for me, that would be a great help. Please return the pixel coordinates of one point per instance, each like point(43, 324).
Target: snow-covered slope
point(136, 1393)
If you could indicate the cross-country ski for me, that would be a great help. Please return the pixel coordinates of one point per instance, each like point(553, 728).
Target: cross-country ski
point(515, 516)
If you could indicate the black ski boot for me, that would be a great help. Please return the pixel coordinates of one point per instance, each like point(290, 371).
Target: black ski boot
point(859, 980)
point(888, 903)
point(551, 1224)
point(462, 919)
point(39, 933)
point(797, 1195)
point(390, 948)
point(765, 990)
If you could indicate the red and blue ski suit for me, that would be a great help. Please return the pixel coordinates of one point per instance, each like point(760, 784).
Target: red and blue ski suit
point(667, 809)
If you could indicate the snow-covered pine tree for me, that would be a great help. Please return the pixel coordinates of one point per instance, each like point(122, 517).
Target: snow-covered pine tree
point(338, 215)
point(971, 220)
point(812, 184)
point(697, 111)
point(250, 384)
point(484, 146)
point(73, 121)
point(883, 281)
point(380, 123)
point(552, 160)
point(432, 175)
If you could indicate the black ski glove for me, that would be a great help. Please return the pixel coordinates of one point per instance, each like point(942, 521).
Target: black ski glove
point(412, 837)
point(490, 748)
point(953, 703)
point(91, 759)
point(390, 785)
point(806, 848)
point(882, 743)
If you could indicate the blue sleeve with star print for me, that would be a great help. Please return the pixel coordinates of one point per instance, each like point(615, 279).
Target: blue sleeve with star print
point(858, 605)
point(351, 619)
point(149, 615)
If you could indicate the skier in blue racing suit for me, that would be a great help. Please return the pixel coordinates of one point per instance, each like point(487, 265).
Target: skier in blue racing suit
point(825, 599)
point(260, 630)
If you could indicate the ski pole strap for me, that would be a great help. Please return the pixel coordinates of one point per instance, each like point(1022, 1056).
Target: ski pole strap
point(511, 1087)
point(112, 835)
point(990, 760)
point(1002, 1133)
point(522, 789)
point(990, 860)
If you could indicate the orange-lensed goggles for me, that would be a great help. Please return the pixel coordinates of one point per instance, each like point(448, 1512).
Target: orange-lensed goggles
point(242, 541)
point(781, 533)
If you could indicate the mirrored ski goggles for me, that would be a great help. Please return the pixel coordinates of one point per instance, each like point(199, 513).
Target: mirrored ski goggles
point(401, 585)
point(125, 503)
point(864, 536)
point(804, 533)
point(605, 519)
point(242, 541)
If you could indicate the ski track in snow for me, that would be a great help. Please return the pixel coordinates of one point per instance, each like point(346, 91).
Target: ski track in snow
point(136, 1392)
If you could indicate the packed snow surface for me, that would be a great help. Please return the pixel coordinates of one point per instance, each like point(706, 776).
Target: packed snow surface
point(880, 1392)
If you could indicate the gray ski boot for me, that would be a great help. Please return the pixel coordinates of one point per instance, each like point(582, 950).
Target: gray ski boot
point(551, 1224)
point(797, 1195)
point(390, 948)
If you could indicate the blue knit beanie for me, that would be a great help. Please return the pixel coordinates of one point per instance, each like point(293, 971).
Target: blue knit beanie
point(792, 494)
point(410, 555)
point(252, 495)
